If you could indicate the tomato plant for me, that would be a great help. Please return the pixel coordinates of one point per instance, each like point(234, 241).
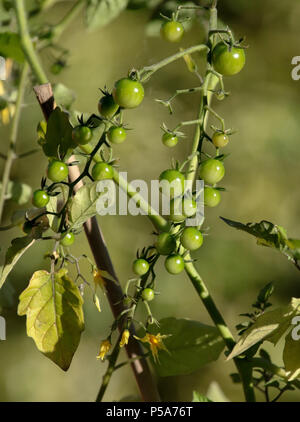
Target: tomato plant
point(79, 148)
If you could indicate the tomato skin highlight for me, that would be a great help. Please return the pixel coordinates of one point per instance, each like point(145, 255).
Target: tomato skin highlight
point(128, 93)
point(172, 31)
point(68, 239)
point(174, 264)
point(107, 106)
point(57, 171)
point(212, 171)
point(212, 197)
point(140, 267)
point(165, 243)
point(82, 135)
point(191, 238)
point(102, 171)
point(228, 61)
point(40, 198)
point(116, 134)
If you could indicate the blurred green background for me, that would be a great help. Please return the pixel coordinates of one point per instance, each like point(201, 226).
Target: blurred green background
point(262, 181)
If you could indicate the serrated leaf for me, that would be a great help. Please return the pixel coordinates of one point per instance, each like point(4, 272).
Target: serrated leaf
point(54, 315)
point(101, 12)
point(63, 95)
point(200, 398)
point(18, 247)
point(18, 192)
point(191, 345)
point(58, 142)
point(83, 205)
point(270, 235)
point(10, 46)
point(270, 326)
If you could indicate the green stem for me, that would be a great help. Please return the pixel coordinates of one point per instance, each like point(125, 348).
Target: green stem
point(67, 19)
point(27, 44)
point(110, 370)
point(11, 155)
point(148, 71)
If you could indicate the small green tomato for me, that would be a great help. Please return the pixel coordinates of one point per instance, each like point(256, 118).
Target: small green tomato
point(140, 267)
point(174, 264)
point(102, 171)
point(212, 197)
point(220, 140)
point(116, 134)
point(191, 238)
point(67, 239)
point(165, 243)
point(169, 140)
point(148, 295)
point(172, 31)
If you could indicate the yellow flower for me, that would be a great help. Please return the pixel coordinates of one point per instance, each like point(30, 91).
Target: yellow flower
point(98, 279)
point(156, 343)
point(125, 338)
point(104, 349)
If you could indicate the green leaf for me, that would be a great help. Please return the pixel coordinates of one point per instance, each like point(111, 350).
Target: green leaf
point(270, 326)
point(191, 346)
point(53, 307)
point(199, 398)
point(58, 142)
point(63, 95)
point(291, 356)
point(18, 247)
point(101, 12)
point(270, 235)
point(18, 192)
point(83, 205)
point(10, 46)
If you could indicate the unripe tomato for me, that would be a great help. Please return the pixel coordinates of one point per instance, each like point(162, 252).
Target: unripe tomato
point(148, 294)
point(107, 106)
point(174, 264)
point(102, 171)
point(40, 198)
point(228, 61)
point(165, 243)
point(172, 31)
point(67, 239)
point(140, 267)
point(116, 134)
point(212, 197)
point(128, 93)
point(82, 135)
point(212, 171)
point(191, 238)
point(175, 181)
point(169, 140)
point(180, 209)
point(57, 171)
point(220, 140)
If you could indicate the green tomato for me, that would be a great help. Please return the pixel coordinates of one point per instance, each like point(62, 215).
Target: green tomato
point(140, 267)
point(81, 135)
point(67, 239)
point(40, 198)
point(172, 31)
point(174, 264)
point(165, 243)
point(116, 134)
point(212, 197)
point(212, 171)
point(220, 140)
point(57, 171)
point(148, 294)
point(191, 238)
point(180, 209)
point(169, 140)
point(228, 61)
point(128, 93)
point(175, 185)
point(102, 171)
point(107, 106)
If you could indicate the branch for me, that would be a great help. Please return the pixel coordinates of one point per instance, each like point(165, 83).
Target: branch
point(103, 261)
